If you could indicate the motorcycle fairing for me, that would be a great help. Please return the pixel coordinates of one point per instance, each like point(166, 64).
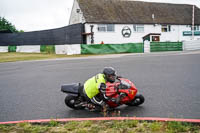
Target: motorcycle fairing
point(113, 91)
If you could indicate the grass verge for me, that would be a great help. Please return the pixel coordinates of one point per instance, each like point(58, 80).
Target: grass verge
point(13, 57)
point(124, 126)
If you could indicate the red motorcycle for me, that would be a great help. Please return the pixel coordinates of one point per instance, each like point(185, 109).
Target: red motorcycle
point(123, 91)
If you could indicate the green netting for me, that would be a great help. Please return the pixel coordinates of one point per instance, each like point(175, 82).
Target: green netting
point(166, 46)
point(12, 48)
point(112, 48)
point(47, 49)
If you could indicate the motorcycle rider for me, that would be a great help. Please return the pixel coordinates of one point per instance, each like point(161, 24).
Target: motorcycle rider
point(94, 88)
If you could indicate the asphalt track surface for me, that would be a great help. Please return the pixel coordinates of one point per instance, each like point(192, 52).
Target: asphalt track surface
point(169, 81)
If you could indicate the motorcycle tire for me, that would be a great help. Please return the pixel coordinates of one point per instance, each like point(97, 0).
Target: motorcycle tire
point(138, 100)
point(70, 102)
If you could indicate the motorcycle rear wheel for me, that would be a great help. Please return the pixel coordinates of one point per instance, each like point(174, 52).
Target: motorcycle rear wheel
point(70, 102)
point(138, 100)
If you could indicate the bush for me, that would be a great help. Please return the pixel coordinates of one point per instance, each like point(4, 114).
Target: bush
point(50, 49)
point(6, 25)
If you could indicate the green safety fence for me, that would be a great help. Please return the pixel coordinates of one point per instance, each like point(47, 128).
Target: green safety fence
point(47, 49)
point(112, 48)
point(166, 46)
point(12, 48)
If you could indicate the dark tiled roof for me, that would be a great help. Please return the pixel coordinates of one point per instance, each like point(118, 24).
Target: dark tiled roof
point(130, 12)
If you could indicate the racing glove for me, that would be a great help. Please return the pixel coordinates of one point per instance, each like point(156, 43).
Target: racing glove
point(102, 88)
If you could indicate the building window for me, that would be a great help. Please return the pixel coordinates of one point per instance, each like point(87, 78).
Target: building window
point(166, 28)
point(106, 27)
point(196, 27)
point(138, 28)
point(110, 27)
point(102, 27)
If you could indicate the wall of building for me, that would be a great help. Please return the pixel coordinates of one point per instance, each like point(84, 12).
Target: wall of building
point(116, 37)
point(182, 38)
point(76, 15)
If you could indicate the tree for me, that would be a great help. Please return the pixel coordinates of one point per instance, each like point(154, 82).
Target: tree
point(6, 25)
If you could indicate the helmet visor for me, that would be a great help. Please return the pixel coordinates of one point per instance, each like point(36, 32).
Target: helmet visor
point(112, 78)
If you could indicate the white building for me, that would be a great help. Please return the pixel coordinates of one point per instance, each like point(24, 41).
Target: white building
point(124, 21)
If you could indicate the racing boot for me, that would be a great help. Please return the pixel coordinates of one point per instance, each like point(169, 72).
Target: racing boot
point(91, 107)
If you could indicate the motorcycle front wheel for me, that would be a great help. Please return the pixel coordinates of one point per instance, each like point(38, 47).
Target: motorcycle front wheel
point(70, 102)
point(138, 100)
